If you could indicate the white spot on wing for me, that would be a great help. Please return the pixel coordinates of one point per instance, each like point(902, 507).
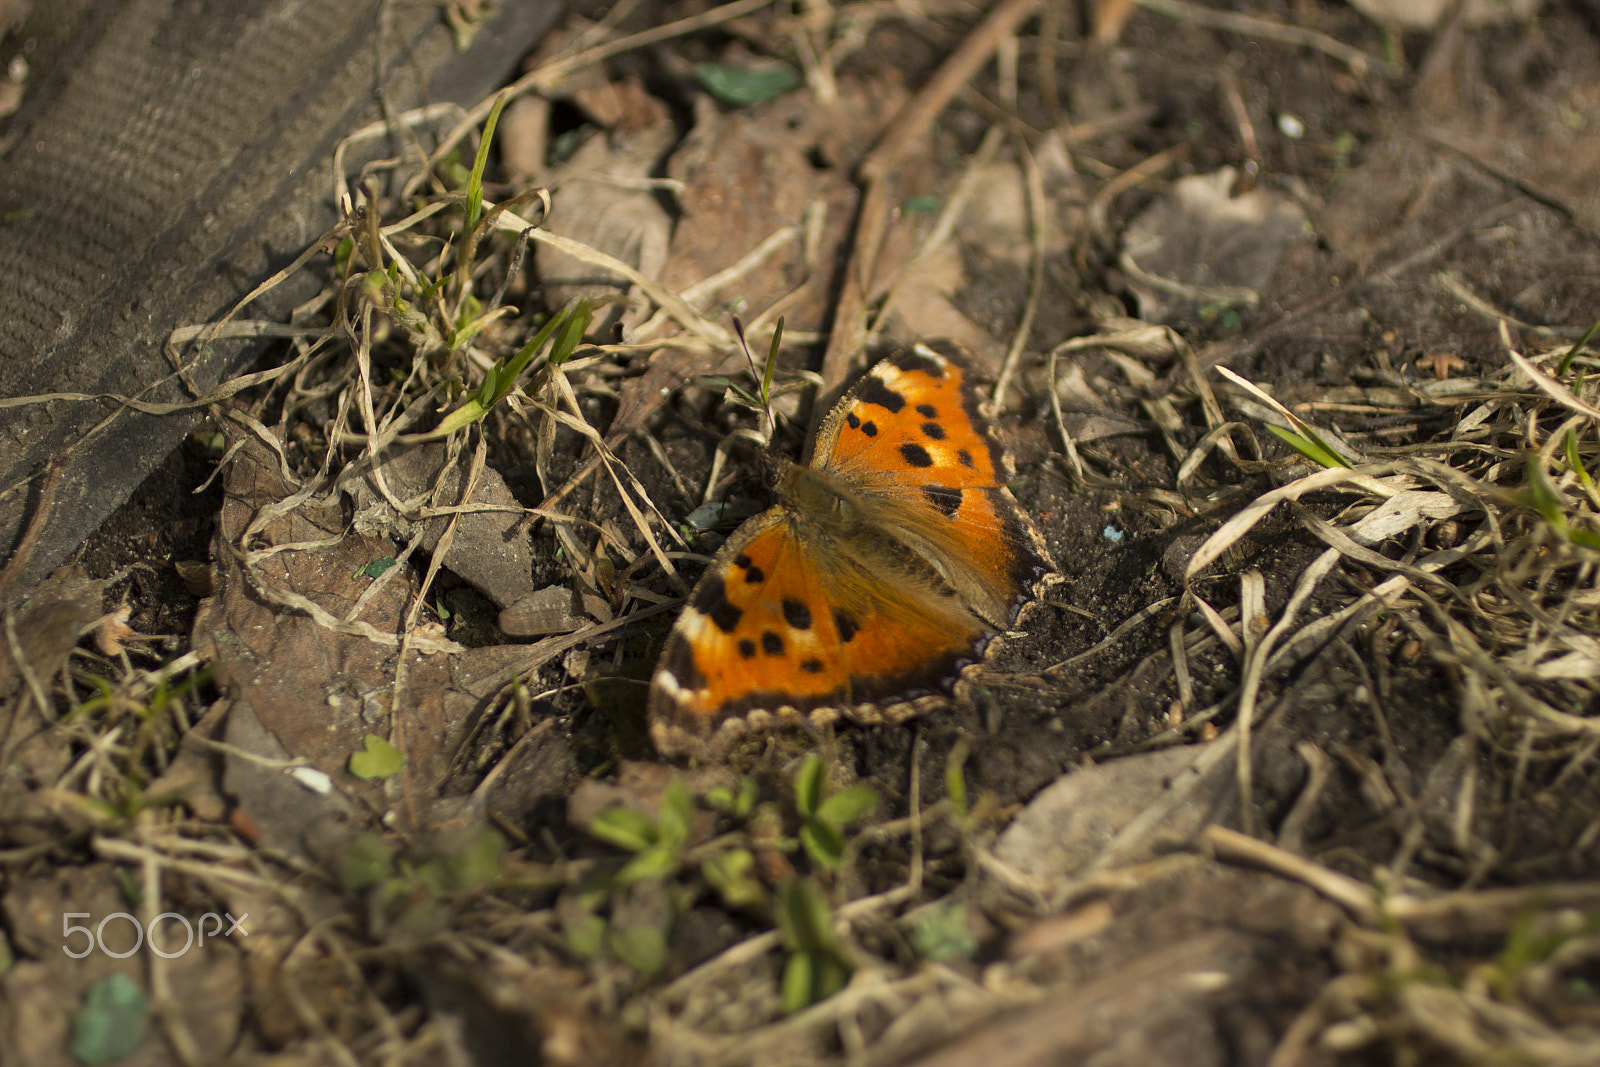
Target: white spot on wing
point(692, 625)
point(668, 684)
point(892, 376)
point(901, 381)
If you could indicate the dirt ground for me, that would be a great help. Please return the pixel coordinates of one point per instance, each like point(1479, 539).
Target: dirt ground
point(1288, 304)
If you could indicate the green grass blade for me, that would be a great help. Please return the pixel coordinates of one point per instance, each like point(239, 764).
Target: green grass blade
point(772, 362)
point(1546, 500)
point(1572, 353)
point(475, 181)
point(1575, 461)
point(1313, 447)
point(572, 331)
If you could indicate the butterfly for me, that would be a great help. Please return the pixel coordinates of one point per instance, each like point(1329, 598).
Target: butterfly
point(890, 561)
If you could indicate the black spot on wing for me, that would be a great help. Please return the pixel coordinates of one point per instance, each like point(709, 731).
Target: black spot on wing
point(752, 574)
point(964, 458)
point(927, 411)
point(944, 497)
point(796, 614)
point(873, 391)
point(870, 429)
point(916, 455)
point(933, 431)
point(851, 420)
point(771, 644)
point(678, 661)
point(913, 362)
point(711, 600)
point(847, 625)
point(747, 648)
point(811, 666)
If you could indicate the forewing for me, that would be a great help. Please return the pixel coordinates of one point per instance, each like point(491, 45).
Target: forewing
point(910, 438)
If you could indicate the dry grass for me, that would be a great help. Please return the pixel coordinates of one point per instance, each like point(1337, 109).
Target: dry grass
point(1474, 544)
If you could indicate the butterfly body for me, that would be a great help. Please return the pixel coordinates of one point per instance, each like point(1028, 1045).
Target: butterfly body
point(891, 559)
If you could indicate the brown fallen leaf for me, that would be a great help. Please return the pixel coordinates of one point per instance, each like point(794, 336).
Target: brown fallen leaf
point(1201, 245)
point(604, 197)
point(748, 173)
point(305, 691)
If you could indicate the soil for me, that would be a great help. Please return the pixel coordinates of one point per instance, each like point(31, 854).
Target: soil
point(1380, 845)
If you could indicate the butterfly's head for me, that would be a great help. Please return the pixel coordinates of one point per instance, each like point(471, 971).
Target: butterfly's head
point(816, 496)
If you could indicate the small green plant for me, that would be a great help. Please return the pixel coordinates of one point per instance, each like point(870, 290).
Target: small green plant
point(625, 911)
point(626, 923)
point(656, 844)
point(661, 851)
point(641, 901)
point(744, 86)
point(1575, 461)
point(1222, 313)
point(955, 777)
point(826, 815)
point(732, 874)
point(760, 401)
point(736, 801)
point(1578, 346)
point(571, 322)
point(416, 890)
point(941, 934)
point(817, 967)
point(437, 306)
point(377, 759)
point(1533, 940)
point(1311, 445)
point(145, 704)
point(1304, 438)
point(112, 1022)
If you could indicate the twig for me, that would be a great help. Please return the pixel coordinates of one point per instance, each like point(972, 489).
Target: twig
point(30, 536)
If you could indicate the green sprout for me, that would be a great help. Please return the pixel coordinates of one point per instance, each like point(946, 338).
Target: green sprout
point(479, 162)
point(817, 967)
point(941, 934)
point(1575, 461)
point(417, 890)
point(826, 815)
point(1311, 445)
point(377, 759)
point(657, 844)
point(1572, 353)
point(1530, 943)
point(1546, 499)
point(567, 326)
point(112, 1022)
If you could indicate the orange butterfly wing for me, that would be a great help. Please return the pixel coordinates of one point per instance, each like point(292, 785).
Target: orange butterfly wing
point(887, 567)
point(911, 431)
